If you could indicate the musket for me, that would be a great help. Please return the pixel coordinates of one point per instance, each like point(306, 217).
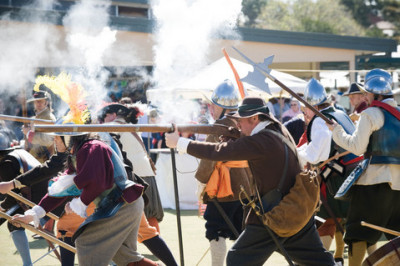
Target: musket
point(380, 228)
point(215, 129)
point(39, 232)
point(283, 86)
point(256, 209)
point(30, 204)
point(25, 119)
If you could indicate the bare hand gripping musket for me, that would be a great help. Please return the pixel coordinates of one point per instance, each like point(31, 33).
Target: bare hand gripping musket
point(30, 204)
point(216, 129)
point(39, 232)
point(25, 119)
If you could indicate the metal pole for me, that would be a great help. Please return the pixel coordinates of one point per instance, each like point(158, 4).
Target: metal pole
point(178, 210)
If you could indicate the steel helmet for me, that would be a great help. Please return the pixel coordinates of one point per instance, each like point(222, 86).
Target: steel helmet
point(226, 95)
point(377, 72)
point(378, 85)
point(315, 93)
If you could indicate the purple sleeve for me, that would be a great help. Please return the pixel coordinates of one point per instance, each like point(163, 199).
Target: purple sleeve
point(95, 171)
point(50, 203)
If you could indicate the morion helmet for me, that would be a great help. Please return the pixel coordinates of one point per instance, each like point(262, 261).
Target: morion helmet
point(378, 85)
point(377, 72)
point(315, 93)
point(226, 95)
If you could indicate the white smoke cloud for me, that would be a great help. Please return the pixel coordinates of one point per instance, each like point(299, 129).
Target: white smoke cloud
point(24, 48)
point(88, 38)
point(185, 30)
point(184, 34)
point(78, 48)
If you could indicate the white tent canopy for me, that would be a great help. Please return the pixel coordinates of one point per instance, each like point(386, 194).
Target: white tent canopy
point(203, 83)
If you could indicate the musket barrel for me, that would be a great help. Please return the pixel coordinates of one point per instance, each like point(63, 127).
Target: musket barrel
point(103, 128)
point(189, 128)
point(39, 232)
point(25, 119)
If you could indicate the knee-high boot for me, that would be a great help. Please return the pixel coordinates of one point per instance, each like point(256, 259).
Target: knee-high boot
point(22, 245)
point(218, 251)
point(159, 248)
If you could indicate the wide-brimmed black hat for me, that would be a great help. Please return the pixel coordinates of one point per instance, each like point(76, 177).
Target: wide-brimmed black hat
point(355, 88)
point(251, 106)
point(39, 95)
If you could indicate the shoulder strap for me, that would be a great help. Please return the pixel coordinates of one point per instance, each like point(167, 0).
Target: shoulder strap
point(392, 110)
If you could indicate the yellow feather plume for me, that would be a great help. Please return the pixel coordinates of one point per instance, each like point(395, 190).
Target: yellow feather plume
point(70, 92)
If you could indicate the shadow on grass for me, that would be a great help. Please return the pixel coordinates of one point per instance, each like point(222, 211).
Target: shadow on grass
point(150, 256)
point(183, 212)
point(38, 244)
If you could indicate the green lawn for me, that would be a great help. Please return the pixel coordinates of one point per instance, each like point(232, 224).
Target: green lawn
point(194, 243)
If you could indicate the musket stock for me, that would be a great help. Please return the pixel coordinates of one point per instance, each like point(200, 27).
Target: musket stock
point(39, 232)
point(215, 129)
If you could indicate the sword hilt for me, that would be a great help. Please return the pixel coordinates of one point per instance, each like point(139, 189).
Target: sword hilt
point(252, 202)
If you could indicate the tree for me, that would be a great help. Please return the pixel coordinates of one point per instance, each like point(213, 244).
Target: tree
point(390, 10)
point(325, 16)
point(251, 9)
point(361, 10)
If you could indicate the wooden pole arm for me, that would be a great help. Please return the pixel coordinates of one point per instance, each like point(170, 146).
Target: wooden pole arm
point(39, 232)
point(25, 119)
point(379, 228)
point(30, 204)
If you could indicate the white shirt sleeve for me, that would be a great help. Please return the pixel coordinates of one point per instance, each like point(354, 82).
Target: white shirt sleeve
point(78, 207)
point(319, 148)
point(370, 120)
point(37, 212)
point(182, 145)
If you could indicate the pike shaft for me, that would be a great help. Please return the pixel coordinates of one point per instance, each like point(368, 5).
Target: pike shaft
point(39, 232)
point(379, 228)
point(25, 119)
point(31, 204)
point(283, 86)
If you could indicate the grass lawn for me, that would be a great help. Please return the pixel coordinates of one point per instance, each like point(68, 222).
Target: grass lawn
point(195, 244)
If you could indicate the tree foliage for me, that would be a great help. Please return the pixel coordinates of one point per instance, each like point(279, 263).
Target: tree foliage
point(325, 16)
point(251, 9)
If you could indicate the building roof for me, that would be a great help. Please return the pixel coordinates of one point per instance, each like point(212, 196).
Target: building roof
point(247, 34)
